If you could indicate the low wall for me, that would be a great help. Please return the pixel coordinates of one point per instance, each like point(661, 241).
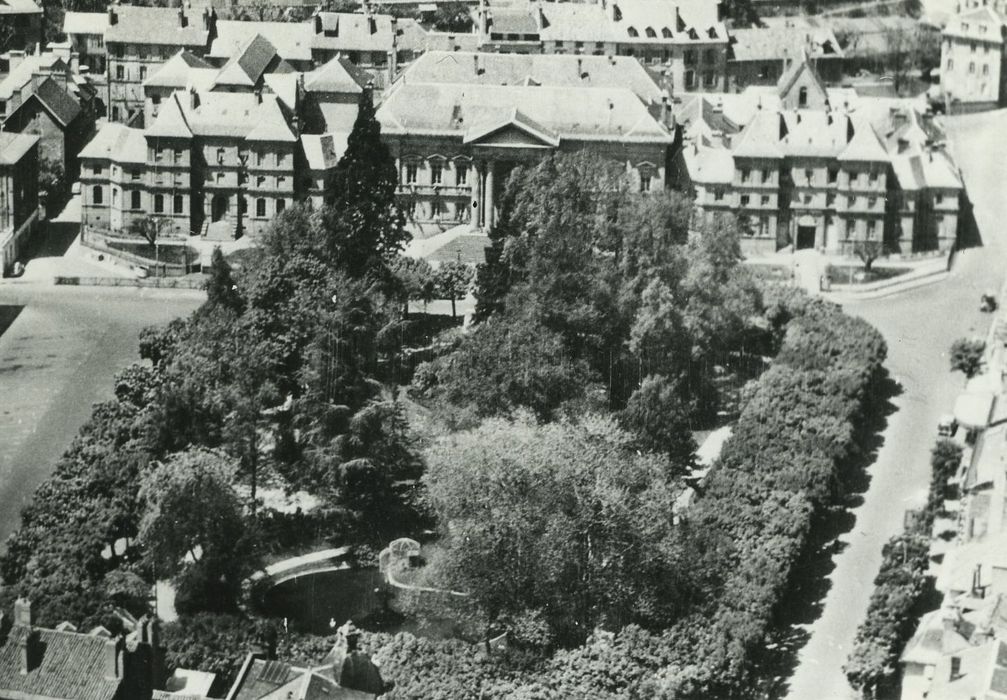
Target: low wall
point(99, 242)
point(158, 282)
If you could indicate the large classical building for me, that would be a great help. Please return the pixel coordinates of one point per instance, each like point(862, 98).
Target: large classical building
point(225, 149)
point(973, 71)
point(686, 39)
point(808, 167)
point(457, 123)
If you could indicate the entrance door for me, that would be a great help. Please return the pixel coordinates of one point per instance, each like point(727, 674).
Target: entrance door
point(219, 207)
point(805, 237)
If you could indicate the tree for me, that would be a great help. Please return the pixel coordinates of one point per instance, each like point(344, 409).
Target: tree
point(51, 179)
point(452, 16)
point(967, 356)
point(221, 289)
point(415, 277)
point(365, 223)
point(149, 228)
point(658, 417)
point(562, 520)
point(192, 516)
point(868, 250)
point(453, 280)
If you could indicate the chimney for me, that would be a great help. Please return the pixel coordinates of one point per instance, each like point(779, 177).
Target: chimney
point(193, 98)
point(956, 667)
point(74, 63)
point(206, 19)
point(665, 110)
point(475, 64)
point(112, 659)
point(112, 18)
point(28, 650)
point(481, 17)
point(181, 17)
point(14, 59)
point(318, 22)
point(977, 573)
point(258, 96)
point(372, 25)
point(22, 612)
point(580, 68)
point(615, 14)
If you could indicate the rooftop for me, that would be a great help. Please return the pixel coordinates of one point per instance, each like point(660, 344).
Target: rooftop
point(250, 63)
point(85, 22)
point(163, 26)
point(291, 40)
point(56, 100)
point(345, 31)
point(69, 665)
point(323, 151)
point(534, 69)
point(781, 42)
point(177, 71)
point(14, 146)
point(117, 142)
point(545, 113)
point(19, 7)
point(237, 115)
point(339, 75)
point(688, 21)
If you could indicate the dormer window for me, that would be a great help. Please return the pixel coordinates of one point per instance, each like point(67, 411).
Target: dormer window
point(666, 33)
point(632, 32)
point(650, 32)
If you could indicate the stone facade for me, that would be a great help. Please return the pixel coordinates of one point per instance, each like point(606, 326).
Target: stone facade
point(973, 71)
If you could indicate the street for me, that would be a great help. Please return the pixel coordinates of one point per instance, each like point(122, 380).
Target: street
point(919, 326)
point(58, 358)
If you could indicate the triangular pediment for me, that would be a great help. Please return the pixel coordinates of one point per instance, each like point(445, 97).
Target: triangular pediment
point(513, 131)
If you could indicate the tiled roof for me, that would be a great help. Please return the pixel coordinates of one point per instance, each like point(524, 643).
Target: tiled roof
point(70, 666)
point(85, 22)
point(709, 165)
point(595, 114)
point(247, 66)
point(57, 101)
point(345, 31)
point(292, 40)
point(700, 109)
point(170, 120)
point(238, 115)
point(117, 142)
point(177, 71)
point(323, 151)
point(269, 680)
point(445, 41)
point(762, 136)
point(513, 22)
point(763, 44)
point(157, 26)
point(542, 69)
point(338, 75)
point(14, 146)
point(864, 145)
point(19, 7)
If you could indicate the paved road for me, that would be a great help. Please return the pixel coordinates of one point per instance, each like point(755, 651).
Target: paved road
point(58, 358)
point(919, 327)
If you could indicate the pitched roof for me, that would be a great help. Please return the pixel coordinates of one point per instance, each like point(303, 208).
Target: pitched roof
point(117, 142)
point(177, 71)
point(595, 114)
point(232, 114)
point(772, 43)
point(346, 31)
point(864, 144)
point(709, 165)
point(761, 137)
point(247, 66)
point(543, 69)
point(261, 680)
point(22, 74)
point(793, 74)
point(700, 109)
point(291, 40)
point(337, 75)
point(70, 666)
point(157, 26)
point(983, 23)
point(323, 151)
point(54, 99)
point(14, 146)
point(170, 120)
point(19, 7)
point(692, 21)
point(85, 22)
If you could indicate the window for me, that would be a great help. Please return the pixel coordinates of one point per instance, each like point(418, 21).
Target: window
point(709, 79)
point(666, 33)
point(986, 69)
point(120, 73)
point(872, 227)
point(872, 202)
point(461, 173)
point(802, 97)
point(951, 64)
point(765, 200)
point(97, 195)
point(651, 33)
point(809, 175)
point(96, 169)
point(938, 199)
point(134, 174)
point(242, 177)
point(435, 173)
point(143, 72)
point(158, 203)
point(260, 181)
point(645, 179)
point(972, 47)
point(220, 156)
point(718, 195)
point(281, 182)
point(708, 56)
point(767, 176)
point(690, 78)
point(281, 204)
point(260, 158)
point(178, 204)
point(435, 209)
point(279, 160)
point(830, 200)
point(690, 56)
point(833, 175)
point(972, 67)
point(178, 156)
point(134, 199)
point(632, 32)
point(411, 173)
point(115, 196)
point(744, 200)
point(851, 202)
point(260, 207)
point(745, 174)
point(219, 178)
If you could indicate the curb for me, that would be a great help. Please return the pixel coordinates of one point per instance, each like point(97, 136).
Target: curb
point(889, 290)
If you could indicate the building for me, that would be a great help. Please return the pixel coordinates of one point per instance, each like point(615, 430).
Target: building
point(456, 132)
point(225, 149)
point(22, 19)
point(761, 56)
point(290, 41)
point(973, 75)
point(805, 166)
point(686, 40)
point(18, 194)
point(86, 33)
point(138, 41)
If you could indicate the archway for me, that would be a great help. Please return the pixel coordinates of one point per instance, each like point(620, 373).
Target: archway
point(219, 207)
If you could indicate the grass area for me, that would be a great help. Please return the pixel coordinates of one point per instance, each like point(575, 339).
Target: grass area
point(170, 253)
point(846, 274)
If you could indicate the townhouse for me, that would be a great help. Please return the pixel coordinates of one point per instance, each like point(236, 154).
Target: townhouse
point(973, 74)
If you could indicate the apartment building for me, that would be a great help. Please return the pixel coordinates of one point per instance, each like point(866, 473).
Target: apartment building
point(973, 73)
point(806, 166)
point(686, 40)
point(18, 194)
point(23, 20)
